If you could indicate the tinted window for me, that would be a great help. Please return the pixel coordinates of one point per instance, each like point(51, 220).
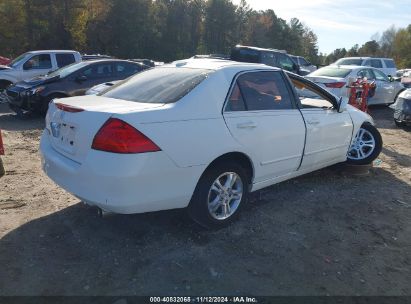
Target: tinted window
point(268, 58)
point(389, 63)
point(331, 72)
point(236, 101)
point(264, 91)
point(285, 62)
point(348, 61)
point(67, 70)
point(380, 75)
point(376, 63)
point(64, 59)
point(127, 69)
point(42, 61)
point(159, 85)
point(246, 55)
point(98, 71)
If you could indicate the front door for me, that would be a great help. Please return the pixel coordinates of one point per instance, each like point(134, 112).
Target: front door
point(36, 65)
point(262, 116)
point(92, 75)
point(384, 92)
point(329, 132)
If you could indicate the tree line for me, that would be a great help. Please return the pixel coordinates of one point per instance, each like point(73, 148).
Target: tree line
point(392, 43)
point(157, 29)
point(167, 30)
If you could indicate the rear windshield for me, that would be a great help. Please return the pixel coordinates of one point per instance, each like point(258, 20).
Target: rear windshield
point(331, 72)
point(246, 55)
point(158, 85)
point(347, 61)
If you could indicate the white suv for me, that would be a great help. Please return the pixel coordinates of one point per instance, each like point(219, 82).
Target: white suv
point(31, 64)
point(386, 65)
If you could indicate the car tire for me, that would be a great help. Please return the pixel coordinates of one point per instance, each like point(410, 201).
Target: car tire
point(214, 207)
point(366, 146)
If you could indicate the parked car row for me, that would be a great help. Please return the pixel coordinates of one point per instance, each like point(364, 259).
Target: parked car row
point(35, 94)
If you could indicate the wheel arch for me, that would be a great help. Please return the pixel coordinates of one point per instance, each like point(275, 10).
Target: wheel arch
point(238, 157)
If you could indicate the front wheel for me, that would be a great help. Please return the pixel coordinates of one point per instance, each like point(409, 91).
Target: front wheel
point(366, 146)
point(220, 194)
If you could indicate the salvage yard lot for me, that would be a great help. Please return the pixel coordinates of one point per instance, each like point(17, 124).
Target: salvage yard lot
point(323, 233)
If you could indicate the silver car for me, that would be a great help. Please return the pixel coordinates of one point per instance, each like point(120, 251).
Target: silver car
point(336, 78)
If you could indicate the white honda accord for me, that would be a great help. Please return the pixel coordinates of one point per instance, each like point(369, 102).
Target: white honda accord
point(201, 134)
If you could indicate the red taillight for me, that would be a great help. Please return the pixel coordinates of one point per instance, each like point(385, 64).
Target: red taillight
point(67, 108)
point(117, 136)
point(337, 85)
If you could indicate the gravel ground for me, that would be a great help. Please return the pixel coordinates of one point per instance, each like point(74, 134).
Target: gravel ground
point(326, 233)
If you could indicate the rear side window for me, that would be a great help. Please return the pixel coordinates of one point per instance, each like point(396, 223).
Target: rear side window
point(64, 59)
point(331, 72)
point(246, 55)
point(260, 91)
point(389, 63)
point(159, 85)
point(98, 71)
point(376, 63)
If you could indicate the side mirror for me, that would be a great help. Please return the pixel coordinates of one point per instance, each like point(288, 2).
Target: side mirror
point(342, 105)
point(81, 78)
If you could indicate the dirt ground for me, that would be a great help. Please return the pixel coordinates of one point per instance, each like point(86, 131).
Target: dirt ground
point(325, 233)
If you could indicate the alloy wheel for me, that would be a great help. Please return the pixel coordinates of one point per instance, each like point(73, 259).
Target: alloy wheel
point(362, 146)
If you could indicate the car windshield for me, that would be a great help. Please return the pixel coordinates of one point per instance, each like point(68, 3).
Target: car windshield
point(67, 70)
point(348, 61)
point(331, 72)
point(158, 85)
point(15, 62)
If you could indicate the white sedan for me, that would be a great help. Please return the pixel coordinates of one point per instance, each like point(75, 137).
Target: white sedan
point(199, 134)
point(336, 78)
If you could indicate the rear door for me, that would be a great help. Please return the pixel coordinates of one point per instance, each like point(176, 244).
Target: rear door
point(328, 131)
point(262, 116)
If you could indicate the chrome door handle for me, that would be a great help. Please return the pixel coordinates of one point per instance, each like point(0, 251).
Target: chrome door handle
point(246, 125)
point(313, 122)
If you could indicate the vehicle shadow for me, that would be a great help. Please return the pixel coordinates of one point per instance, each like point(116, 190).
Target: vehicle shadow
point(331, 233)
point(10, 121)
point(383, 116)
point(402, 159)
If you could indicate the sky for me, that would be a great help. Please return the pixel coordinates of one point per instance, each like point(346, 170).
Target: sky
point(341, 23)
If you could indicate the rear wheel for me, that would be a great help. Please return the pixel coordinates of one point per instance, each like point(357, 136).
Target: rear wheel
point(399, 124)
point(4, 84)
point(366, 146)
point(219, 196)
point(45, 103)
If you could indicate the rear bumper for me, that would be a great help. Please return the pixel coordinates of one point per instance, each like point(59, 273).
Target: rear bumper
point(120, 183)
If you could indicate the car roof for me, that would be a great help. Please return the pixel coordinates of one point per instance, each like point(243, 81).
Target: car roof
point(51, 51)
point(216, 64)
point(365, 58)
point(260, 49)
point(110, 60)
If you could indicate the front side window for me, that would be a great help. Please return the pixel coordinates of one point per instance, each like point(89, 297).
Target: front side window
point(159, 85)
point(64, 59)
point(268, 58)
point(380, 76)
point(285, 62)
point(42, 61)
point(98, 71)
point(309, 97)
point(260, 91)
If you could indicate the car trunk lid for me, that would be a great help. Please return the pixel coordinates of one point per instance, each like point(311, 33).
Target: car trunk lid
point(72, 123)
